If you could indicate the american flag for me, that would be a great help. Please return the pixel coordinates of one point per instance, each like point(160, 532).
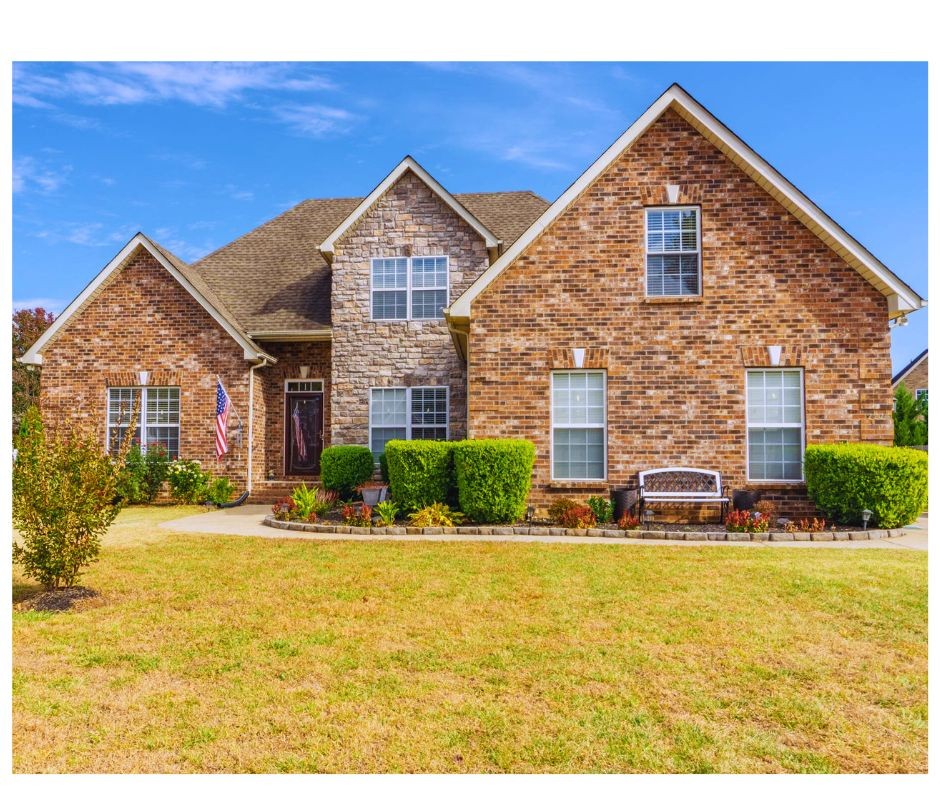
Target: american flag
point(222, 405)
point(299, 441)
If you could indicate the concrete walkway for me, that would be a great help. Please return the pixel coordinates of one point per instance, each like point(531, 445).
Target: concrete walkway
point(246, 521)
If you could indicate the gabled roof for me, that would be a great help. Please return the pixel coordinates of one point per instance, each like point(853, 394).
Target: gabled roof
point(408, 164)
point(276, 282)
point(901, 297)
point(188, 278)
point(909, 368)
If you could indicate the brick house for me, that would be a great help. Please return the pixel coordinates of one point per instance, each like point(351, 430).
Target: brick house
point(681, 304)
point(914, 376)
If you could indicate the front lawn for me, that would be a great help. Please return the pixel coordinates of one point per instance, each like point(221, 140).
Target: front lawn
point(209, 653)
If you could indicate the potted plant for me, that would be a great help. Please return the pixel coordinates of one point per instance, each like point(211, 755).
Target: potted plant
point(373, 492)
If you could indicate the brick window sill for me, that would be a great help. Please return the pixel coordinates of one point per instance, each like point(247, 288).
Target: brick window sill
point(560, 484)
point(665, 300)
point(757, 485)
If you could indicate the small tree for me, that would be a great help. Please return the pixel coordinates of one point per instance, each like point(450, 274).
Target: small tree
point(910, 418)
point(28, 326)
point(64, 499)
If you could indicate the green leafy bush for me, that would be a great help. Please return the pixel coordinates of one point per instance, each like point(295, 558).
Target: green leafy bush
point(493, 478)
point(844, 479)
point(910, 418)
point(312, 500)
point(383, 467)
point(64, 499)
point(602, 507)
point(420, 472)
point(436, 515)
point(344, 468)
point(387, 511)
point(143, 474)
point(189, 483)
point(220, 490)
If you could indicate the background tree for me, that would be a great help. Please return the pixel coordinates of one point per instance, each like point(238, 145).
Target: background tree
point(28, 326)
point(910, 418)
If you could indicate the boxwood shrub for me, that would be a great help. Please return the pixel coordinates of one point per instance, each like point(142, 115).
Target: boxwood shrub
point(343, 468)
point(420, 472)
point(843, 479)
point(493, 478)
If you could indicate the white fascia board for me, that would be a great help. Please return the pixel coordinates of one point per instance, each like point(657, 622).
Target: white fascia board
point(34, 356)
point(759, 170)
point(407, 164)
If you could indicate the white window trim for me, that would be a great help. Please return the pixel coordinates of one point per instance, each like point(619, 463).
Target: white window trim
point(409, 416)
point(646, 251)
point(918, 392)
point(142, 418)
point(409, 289)
point(773, 426)
point(303, 380)
point(552, 426)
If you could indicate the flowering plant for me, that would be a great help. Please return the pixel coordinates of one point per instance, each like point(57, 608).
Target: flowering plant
point(742, 520)
point(188, 481)
point(357, 516)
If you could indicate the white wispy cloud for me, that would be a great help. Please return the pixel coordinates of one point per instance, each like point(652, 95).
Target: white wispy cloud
point(187, 250)
point(314, 120)
point(50, 304)
point(31, 175)
point(92, 234)
point(202, 84)
point(189, 160)
point(237, 193)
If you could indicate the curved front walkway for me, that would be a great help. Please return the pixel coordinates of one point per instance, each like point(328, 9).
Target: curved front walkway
point(247, 521)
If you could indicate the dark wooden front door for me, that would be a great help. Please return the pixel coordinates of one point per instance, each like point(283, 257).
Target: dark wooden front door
point(303, 434)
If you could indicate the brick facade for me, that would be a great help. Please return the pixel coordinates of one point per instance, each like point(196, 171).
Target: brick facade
point(676, 367)
point(142, 319)
point(408, 220)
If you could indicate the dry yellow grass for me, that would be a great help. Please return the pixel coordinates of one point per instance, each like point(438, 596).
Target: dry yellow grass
point(232, 654)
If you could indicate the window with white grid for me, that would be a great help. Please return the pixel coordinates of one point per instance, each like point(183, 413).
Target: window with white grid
point(406, 414)
point(673, 254)
point(579, 425)
point(775, 424)
point(158, 418)
point(414, 288)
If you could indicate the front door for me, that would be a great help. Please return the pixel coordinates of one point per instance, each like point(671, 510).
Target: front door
point(303, 434)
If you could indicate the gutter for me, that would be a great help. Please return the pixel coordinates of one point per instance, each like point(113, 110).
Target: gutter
point(262, 362)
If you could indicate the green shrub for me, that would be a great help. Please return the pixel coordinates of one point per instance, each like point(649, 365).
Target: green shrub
point(312, 500)
point(910, 418)
point(143, 474)
point(64, 499)
point(189, 483)
point(383, 467)
point(844, 479)
point(220, 490)
point(436, 515)
point(387, 511)
point(344, 468)
point(420, 472)
point(602, 507)
point(493, 478)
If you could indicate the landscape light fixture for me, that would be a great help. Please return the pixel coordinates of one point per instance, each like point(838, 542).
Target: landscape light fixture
point(866, 514)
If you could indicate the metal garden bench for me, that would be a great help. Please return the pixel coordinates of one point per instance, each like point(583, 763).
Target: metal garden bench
point(682, 485)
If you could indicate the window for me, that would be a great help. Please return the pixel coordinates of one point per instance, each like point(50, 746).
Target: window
point(673, 254)
point(409, 287)
point(300, 386)
point(918, 393)
point(579, 425)
point(158, 419)
point(407, 414)
point(775, 424)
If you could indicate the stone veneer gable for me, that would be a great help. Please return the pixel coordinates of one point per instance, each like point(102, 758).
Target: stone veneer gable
point(408, 220)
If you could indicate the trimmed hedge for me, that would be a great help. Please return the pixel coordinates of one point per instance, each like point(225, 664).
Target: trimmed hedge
point(420, 472)
point(844, 479)
point(344, 468)
point(493, 478)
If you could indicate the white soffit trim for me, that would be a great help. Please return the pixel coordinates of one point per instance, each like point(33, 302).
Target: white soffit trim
point(902, 298)
point(407, 164)
point(34, 356)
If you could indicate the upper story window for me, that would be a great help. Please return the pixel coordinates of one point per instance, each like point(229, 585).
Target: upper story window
point(673, 252)
point(409, 288)
point(158, 417)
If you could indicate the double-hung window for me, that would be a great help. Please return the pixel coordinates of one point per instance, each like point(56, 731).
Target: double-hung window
point(673, 252)
point(158, 417)
point(409, 288)
point(775, 424)
point(407, 413)
point(579, 425)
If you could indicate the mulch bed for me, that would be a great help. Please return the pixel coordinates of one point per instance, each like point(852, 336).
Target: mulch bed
point(58, 600)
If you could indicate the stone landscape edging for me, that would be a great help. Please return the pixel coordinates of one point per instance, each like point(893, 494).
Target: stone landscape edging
point(608, 533)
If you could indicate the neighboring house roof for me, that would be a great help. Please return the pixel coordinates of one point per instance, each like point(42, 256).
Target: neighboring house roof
point(277, 283)
point(909, 368)
point(901, 297)
point(408, 164)
point(190, 280)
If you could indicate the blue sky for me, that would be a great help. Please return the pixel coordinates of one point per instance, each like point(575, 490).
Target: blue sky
point(197, 154)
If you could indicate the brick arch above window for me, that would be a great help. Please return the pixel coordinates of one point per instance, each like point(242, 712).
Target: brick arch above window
point(759, 356)
point(594, 358)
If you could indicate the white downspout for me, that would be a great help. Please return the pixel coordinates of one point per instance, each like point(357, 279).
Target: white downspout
point(251, 414)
